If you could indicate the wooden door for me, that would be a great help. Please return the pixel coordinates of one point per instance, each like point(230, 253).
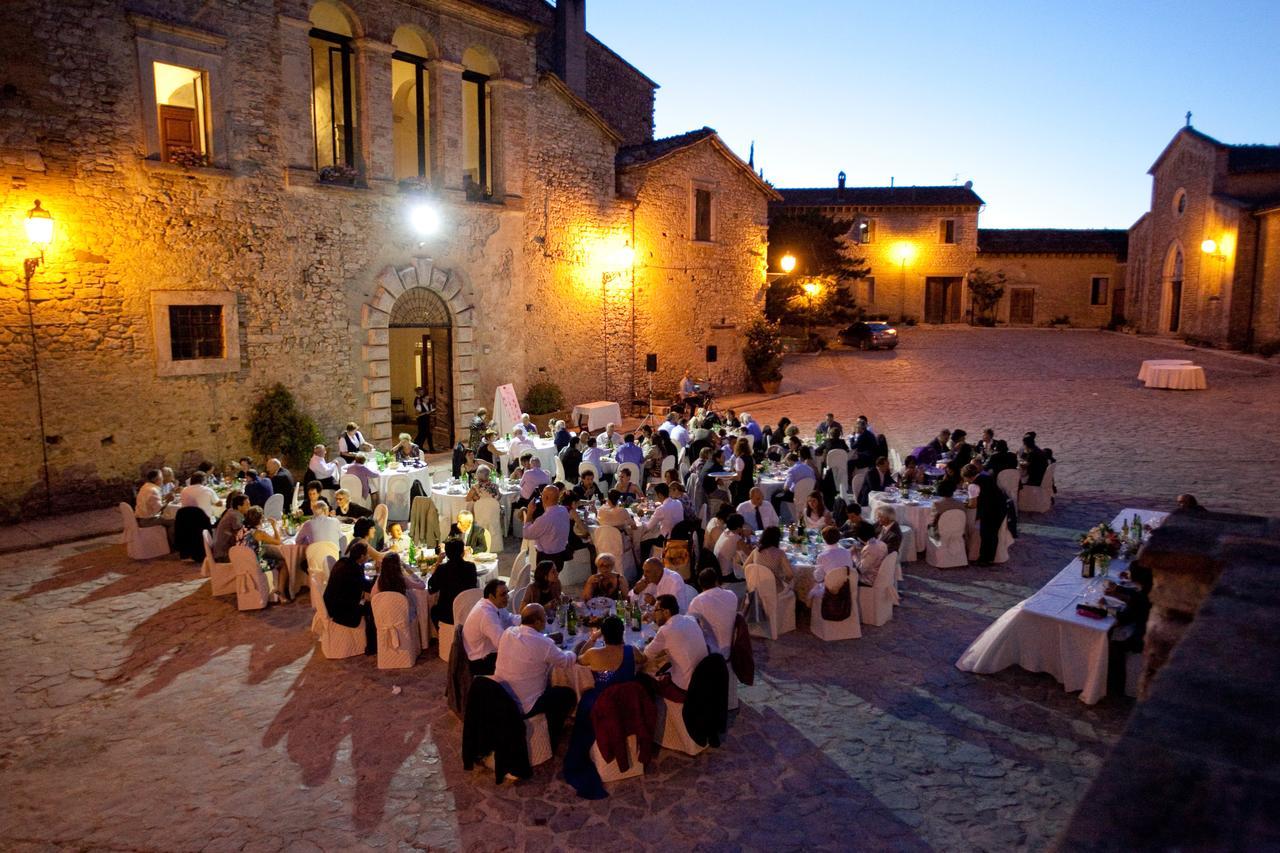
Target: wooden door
point(1175, 304)
point(1022, 306)
point(177, 130)
point(437, 378)
point(954, 312)
point(935, 300)
point(1117, 305)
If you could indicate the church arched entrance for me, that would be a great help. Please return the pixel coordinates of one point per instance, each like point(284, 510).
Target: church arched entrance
point(420, 354)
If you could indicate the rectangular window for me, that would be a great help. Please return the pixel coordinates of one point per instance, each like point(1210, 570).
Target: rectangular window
point(477, 136)
point(702, 215)
point(196, 331)
point(865, 231)
point(947, 231)
point(410, 108)
point(183, 114)
point(1099, 286)
point(871, 289)
point(332, 99)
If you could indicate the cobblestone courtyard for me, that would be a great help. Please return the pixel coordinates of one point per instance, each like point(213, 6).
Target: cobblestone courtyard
point(139, 713)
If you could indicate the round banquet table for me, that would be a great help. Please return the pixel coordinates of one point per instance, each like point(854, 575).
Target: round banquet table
point(915, 514)
point(543, 448)
point(1144, 372)
point(392, 472)
point(452, 499)
point(1177, 377)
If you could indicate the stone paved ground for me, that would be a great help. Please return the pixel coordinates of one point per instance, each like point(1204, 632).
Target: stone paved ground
point(139, 713)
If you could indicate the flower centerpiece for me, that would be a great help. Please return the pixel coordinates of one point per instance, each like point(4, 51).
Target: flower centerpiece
point(1100, 543)
point(292, 521)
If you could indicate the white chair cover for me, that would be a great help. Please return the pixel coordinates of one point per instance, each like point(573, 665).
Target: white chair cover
point(855, 486)
point(875, 603)
point(635, 472)
point(850, 628)
point(668, 464)
point(142, 543)
point(946, 550)
point(1038, 498)
point(609, 540)
point(336, 641)
point(222, 576)
point(672, 733)
point(609, 771)
point(779, 610)
point(895, 460)
point(462, 605)
point(397, 498)
point(1007, 480)
point(593, 468)
point(320, 559)
point(298, 494)
point(560, 478)
point(252, 591)
point(355, 487)
point(802, 491)
point(1004, 539)
point(487, 513)
point(515, 598)
point(274, 507)
point(398, 645)
point(837, 462)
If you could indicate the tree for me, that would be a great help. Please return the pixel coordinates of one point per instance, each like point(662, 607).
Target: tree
point(824, 257)
point(762, 351)
point(278, 428)
point(986, 289)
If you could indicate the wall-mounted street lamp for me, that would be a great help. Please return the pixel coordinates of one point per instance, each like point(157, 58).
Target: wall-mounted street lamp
point(39, 227)
point(788, 263)
point(424, 218)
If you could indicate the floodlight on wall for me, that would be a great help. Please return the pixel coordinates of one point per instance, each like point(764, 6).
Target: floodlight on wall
point(425, 219)
point(788, 263)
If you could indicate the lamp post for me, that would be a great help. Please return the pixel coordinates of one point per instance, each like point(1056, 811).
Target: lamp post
point(39, 226)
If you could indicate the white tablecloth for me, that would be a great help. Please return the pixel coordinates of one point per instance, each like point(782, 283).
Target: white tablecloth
point(451, 503)
point(543, 448)
point(1045, 634)
point(400, 508)
point(1178, 377)
point(1144, 372)
point(916, 517)
point(598, 414)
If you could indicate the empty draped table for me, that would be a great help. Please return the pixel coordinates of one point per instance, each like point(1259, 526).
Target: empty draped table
point(1173, 374)
point(543, 448)
point(598, 414)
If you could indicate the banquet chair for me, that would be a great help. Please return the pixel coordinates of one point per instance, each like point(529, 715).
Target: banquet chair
point(320, 559)
point(593, 468)
point(295, 503)
point(1004, 539)
point(802, 492)
point(895, 460)
point(222, 576)
point(487, 513)
point(462, 605)
point(676, 555)
point(855, 485)
point(142, 543)
point(668, 464)
point(515, 597)
point(1038, 498)
point(537, 735)
point(907, 550)
point(560, 477)
point(837, 462)
point(397, 498)
point(1008, 481)
point(252, 590)
point(635, 472)
point(946, 549)
point(779, 608)
point(336, 641)
point(875, 602)
point(671, 731)
point(609, 771)
point(398, 643)
point(274, 507)
point(609, 540)
point(355, 487)
point(851, 627)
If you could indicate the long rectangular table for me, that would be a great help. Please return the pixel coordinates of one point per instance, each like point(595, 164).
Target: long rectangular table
point(1044, 633)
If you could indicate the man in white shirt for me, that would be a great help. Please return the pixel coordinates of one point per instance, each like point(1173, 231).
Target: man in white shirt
point(321, 527)
point(668, 514)
point(716, 608)
point(657, 581)
point(322, 469)
point(758, 512)
point(526, 657)
point(830, 559)
point(149, 505)
point(533, 479)
point(679, 435)
point(680, 641)
point(484, 626)
point(611, 435)
point(731, 549)
point(198, 494)
point(795, 474)
point(669, 422)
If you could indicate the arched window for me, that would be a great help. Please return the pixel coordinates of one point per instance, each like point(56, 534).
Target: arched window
point(410, 104)
point(477, 122)
point(332, 86)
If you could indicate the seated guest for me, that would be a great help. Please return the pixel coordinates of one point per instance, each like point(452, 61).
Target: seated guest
point(321, 469)
point(611, 437)
point(550, 530)
point(587, 490)
point(148, 507)
point(870, 556)
point(679, 493)
point(615, 662)
point(943, 501)
point(346, 596)
point(666, 516)
point(677, 647)
point(1189, 505)
point(831, 558)
point(912, 474)
point(757, 512)
point(394, 577)
point(483, 486)
point(369, 477)
point(199, 495)
point(312, 493)
point(532, 480)
point(626, 488)
point(520, 443)
point(561, 436)
point(716, 527)
point(950, 474)
point(396, 540)
point(732, 548)
point(796, 472)
point(579, 532)
point(863, 447)
point(816, 514)
point(826, 426)
point(594, 453)
point(282, 482)
point(769, 554)
point(488, 452)
point(242, 472)
point(1001, 459)
point(933, 451)
point(205, 468)
point(344, 508)
point(878, 479)
point(1033, 461)
point(715, 609)
point(961, 449)
point(265, 541)
point(452, 576)
point(570, 457)
point(656, 580)
point(545, 588)
point(321, 527)
point(484, 626)
point(629, 451)
point(363, 532)
point(834, 441)
point(168, 482)
point(888, 530)
point(405, 450)
point(607, 582)
point(614, 514)
point(986, 445)
point(227, 531)
point(526, 657)
point(257, 487)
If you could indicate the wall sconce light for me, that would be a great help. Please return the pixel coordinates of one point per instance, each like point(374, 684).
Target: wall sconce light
point(39, 224)
point(1210, 247)
point(788, 263)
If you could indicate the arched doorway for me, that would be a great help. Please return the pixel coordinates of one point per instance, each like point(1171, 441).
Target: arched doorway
point(420, 352)
point(1171, 293)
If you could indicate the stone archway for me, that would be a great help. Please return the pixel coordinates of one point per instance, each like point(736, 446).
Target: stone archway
point(375, 319)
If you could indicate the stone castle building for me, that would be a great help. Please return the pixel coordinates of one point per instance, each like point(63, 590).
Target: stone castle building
point(244, 192)
point(1206, 257)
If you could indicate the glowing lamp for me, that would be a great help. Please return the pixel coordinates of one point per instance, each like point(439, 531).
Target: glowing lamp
point(812, 288)
point(1209, 247)
point(788, 263)
point(904, 252)
point(39, 226)
point(424, 218)
point(624, 257)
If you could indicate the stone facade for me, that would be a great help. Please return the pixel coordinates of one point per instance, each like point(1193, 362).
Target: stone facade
point(1053, 274)
point(1227, 291)
point(312, 269)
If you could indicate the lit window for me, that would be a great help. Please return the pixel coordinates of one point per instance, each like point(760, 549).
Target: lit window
point(182, 114)
point(871, 289)
point(947, 231)
point(1099, 287)
point(477, 122)
point(702, 215)
point(332, 87)
point(410, 106)
point(864, 231)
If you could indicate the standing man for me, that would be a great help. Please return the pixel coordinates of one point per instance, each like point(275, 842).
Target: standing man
point(425, 407)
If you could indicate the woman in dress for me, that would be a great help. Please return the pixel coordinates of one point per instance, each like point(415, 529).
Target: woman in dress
point(393, 577)
point(743, 467)
point(770, 555)
point(628, 490)
point(606, 582)
point(545, 588)
point(614, 514)
point(406, 450)
point(264, 540)
point(614, 663)
point(483, 487)
point(816, 514)
point(469, 464)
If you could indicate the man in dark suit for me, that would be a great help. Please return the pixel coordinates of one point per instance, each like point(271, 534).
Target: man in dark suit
point(930, 452)
point(571, 458)
point(258, 488)
point(992, 507)
point(878, 479)
point(282, 482)
point(863, 449)
point(345, 595)
point(961, 450)
point(1001, 459)
point(424, 407)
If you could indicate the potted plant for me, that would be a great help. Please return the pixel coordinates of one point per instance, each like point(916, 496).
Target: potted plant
point(762, 354)
point(340, 175)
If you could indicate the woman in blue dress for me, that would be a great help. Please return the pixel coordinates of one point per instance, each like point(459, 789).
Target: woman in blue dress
point(613, 663)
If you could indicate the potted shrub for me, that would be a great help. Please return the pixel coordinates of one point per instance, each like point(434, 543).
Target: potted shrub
point(543, 397)
point(762, 354)
point(278, 427)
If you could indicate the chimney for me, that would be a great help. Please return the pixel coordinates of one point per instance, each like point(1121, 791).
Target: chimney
point(570, 48)
point(840, 180)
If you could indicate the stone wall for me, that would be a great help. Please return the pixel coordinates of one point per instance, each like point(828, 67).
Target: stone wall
point(1062, 285)
point(1266, 315)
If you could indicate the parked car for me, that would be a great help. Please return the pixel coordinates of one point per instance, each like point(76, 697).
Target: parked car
point(870, 335)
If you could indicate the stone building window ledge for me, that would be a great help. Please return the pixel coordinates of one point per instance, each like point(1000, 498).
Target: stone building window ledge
point(300, 177)
point(707, 243)
point(159, 167)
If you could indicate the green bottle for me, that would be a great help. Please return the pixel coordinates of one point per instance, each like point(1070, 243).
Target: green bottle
point(636, 613)
point(571, 622)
